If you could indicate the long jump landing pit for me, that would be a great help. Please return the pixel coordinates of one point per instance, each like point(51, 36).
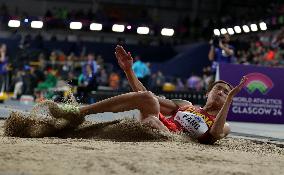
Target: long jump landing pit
point(159, 155)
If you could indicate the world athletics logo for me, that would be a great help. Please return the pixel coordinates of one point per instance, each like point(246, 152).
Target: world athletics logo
point(258, 81)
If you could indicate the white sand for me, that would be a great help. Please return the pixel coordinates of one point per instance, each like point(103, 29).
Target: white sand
point(87, 156)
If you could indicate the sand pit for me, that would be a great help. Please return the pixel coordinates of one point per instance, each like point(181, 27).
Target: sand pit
point(67, 146)
point(161, 155)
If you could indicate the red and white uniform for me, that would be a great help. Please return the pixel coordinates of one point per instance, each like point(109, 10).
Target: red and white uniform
point(194, 121)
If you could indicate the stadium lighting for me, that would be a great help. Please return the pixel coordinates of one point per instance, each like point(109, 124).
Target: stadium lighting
point(118, 28)
point(96, 26)
point(246, 29)
point(36, 24)
point(262, 26)
point(167, 32)
point(223, 31)
point(14, 23)
point(75, 25)
point(230, 31)
point(143, 30)
point(253, 27)
point(238, 29)
point(216, 32)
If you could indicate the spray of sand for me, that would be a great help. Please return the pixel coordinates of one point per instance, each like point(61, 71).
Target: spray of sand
point(19, 125)
point(41, 123)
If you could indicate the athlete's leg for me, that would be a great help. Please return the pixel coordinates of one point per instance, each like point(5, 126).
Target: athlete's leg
point(134, 100)
point(144, 101)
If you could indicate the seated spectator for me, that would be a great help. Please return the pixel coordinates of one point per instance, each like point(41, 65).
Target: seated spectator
point(269, 56)
point(158, 81)
point(92, 62)
point(42, 89)
point(114, 81)
point(100, 62)
point(140, 69)
point(30, 80)
point(3, 68)
point(207, 77)
point(86, 83)
point(18, 87)
point(102, 78)
point(179, 85)
point(87, 77)
point(49, 82)
point(194, 82)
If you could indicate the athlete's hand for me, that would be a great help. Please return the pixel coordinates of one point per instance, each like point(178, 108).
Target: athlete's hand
point(238, 88)
point(183, 108)
point(124, 59)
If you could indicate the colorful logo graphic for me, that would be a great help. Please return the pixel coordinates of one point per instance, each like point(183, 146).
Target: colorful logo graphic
point(258, 81)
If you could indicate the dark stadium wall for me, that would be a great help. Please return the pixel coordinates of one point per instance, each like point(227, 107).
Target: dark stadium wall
point(193, 59)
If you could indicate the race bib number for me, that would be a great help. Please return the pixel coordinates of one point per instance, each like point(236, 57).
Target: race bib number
point(193, 124)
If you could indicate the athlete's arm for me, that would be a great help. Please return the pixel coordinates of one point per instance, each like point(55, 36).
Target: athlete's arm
point(219, 129)
point(125, 61)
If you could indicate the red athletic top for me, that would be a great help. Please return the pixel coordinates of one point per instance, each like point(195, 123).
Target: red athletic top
point(174, 126)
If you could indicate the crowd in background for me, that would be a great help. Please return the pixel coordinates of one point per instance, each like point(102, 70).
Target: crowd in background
point(89, 72)
point(86, 73)
point(266, 50)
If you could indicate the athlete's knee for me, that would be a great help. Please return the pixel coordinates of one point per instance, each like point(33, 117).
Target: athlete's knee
point(147, 103)
point(146, 96)
point(150, 99)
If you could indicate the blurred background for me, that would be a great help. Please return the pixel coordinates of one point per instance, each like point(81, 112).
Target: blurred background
point(51, 46)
